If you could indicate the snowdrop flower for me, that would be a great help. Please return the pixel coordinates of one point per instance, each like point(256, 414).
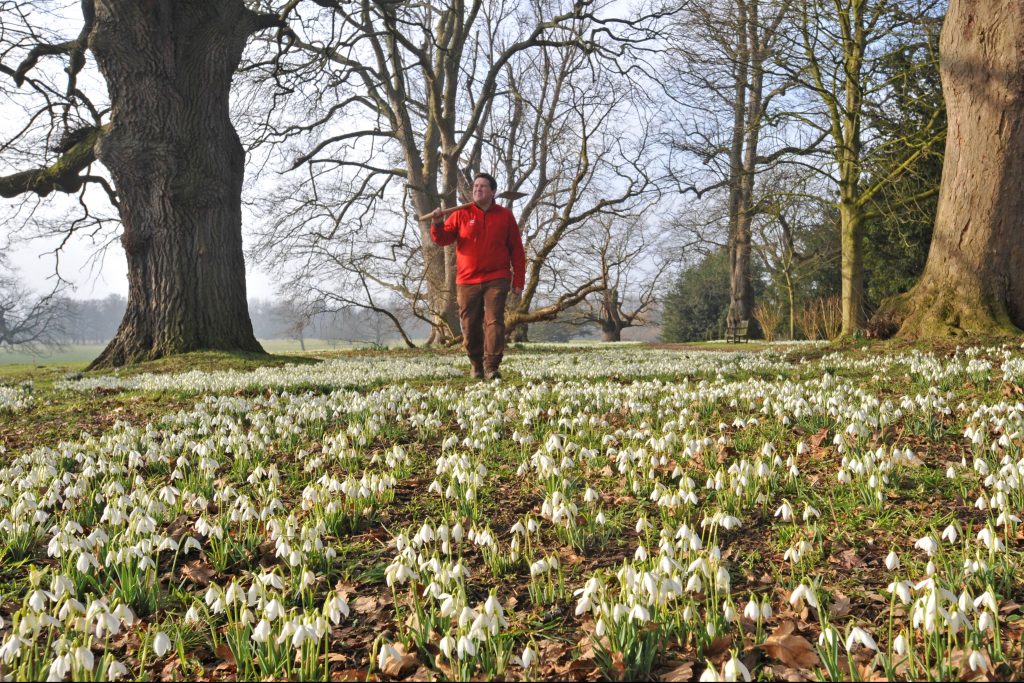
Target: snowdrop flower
point(465, 648)
point(639, 613)
point(84, 658)
point(729, 522)
point(752, 612)
point(950, 533)
point(728, 612)
point(902, 590)
point(116, 670)
point(734, 670)
point(447, 646)
point(899, 645)
point(828, 637)
point(710, 674)
point(977, 661)
point(801, 593)
point(990, 539)
point(261, 633)
point(785, 511)
point(859, 635)
point(892, 561)
point(335, 608)
point(161, 644)
point(927, 544)
point(273, 610)
point(386, 654)
point(529, 657)
point(10, 648)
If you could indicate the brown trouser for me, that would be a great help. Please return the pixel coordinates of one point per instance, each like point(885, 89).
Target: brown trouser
point(482, 311)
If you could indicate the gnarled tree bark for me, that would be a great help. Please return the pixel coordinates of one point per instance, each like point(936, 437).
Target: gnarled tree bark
point(177, 163)
point(973, 281)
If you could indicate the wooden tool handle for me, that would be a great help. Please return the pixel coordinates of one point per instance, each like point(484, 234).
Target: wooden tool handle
point(449, 210)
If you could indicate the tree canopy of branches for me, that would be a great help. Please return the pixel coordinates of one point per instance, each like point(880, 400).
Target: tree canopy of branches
point(392, 108)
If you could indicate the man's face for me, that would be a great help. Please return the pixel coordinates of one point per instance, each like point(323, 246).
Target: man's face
point(483, 195)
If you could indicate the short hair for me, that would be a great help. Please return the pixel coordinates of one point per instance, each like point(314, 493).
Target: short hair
point(490, 179)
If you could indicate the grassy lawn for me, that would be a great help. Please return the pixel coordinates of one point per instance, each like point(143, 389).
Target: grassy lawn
point(622, 513)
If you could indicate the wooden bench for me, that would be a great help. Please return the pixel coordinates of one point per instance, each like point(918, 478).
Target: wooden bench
point(738, 332)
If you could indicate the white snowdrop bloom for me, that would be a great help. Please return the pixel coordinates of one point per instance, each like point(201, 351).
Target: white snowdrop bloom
point(892, 561)
point(902, 591)
point(785, 511)
point(529, 657)
point(639, 613)
point(950, 533)
point(84, 658)
point(899, 645)
point(37, 600)
point(927, 544)
point(722, 580)
point(710, 674)
point(161, 644)
point(985, 622)
point(802, 593)
point(10, 648)
point(988, 600)
point(828, 637)
point(977, 661)
point(60, 667)
point(335, 608)
point(859, 635)
point(447, 646)
point(735, 670)
point(273, 610)
point(466, 647)
point(730, 522)
point(990, 539)
point(261, 633)
point(386, 654)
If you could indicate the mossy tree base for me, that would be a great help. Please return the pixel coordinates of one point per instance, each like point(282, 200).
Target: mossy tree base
point(933, 312)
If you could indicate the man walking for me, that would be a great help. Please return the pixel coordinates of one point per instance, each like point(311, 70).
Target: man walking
point(489, 257)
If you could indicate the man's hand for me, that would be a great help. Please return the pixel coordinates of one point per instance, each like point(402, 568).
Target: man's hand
point(437, 216)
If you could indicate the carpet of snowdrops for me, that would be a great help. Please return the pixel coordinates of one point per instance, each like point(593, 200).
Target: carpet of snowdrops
point(600, 513)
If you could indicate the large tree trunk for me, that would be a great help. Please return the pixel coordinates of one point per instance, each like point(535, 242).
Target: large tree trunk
point(973, 282)
point(178, 166)
point(739, 243)
point(851, 226)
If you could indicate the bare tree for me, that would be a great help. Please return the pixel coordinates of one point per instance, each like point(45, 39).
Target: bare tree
point(796, 237)
point(170, 148)
point(630, 268)
point(393, 106)
point(733, 91)
point(29, 322)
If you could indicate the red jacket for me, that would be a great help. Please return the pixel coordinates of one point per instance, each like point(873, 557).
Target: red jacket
point(488, 245)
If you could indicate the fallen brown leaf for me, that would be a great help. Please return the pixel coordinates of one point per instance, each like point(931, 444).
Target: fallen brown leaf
point(401, 665)
point(365, 604)
point(224, 652)
point(792, 650)
point(840, 606)
point(198, 572)
point(682, 672)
